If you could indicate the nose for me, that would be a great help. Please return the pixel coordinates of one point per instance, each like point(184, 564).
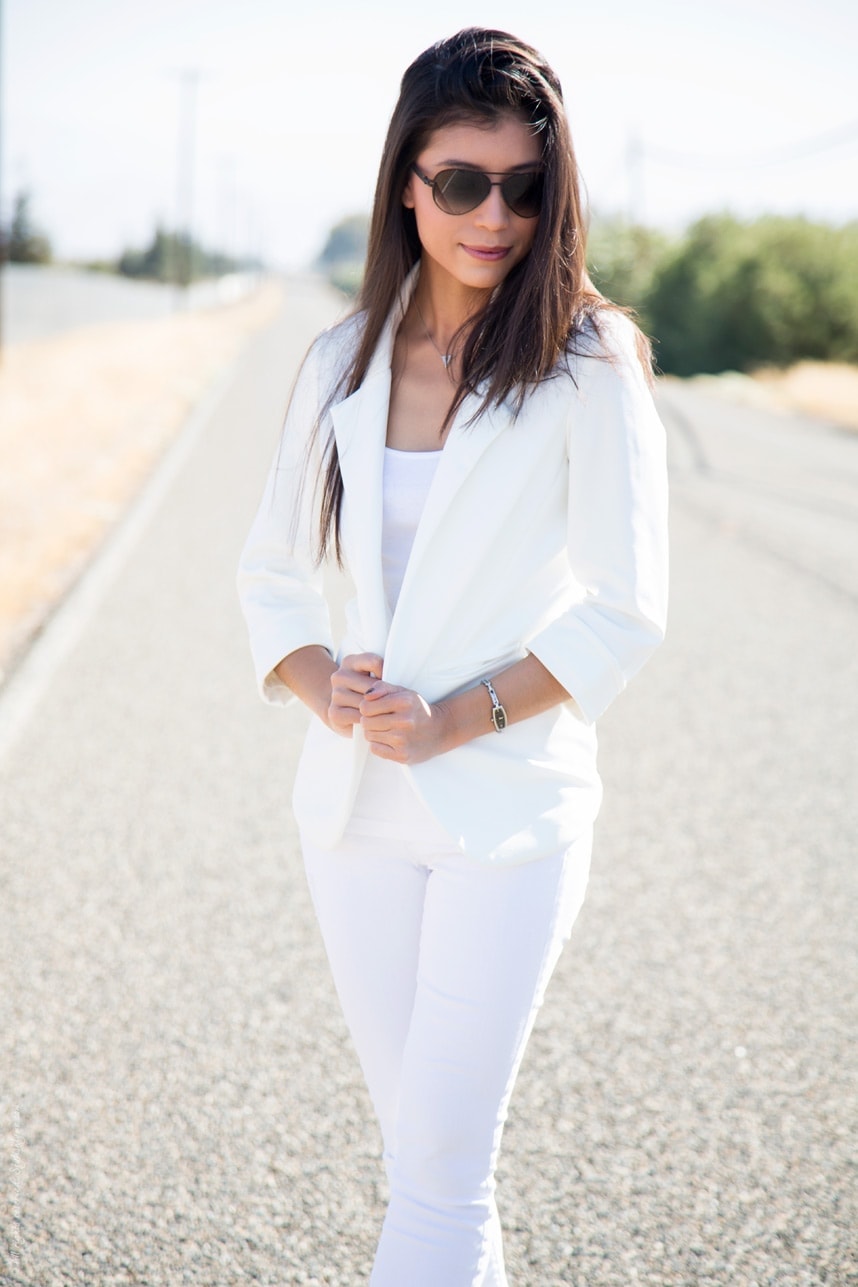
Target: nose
point(493, 213)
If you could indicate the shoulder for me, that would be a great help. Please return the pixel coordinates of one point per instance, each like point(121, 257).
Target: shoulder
point(606, 390)
point(330, 355)
point(326, 362)
point(608, 351)
point(609, 335)
point(338, 343)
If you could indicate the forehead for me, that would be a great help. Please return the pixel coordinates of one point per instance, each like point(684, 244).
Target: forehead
point(505, 144)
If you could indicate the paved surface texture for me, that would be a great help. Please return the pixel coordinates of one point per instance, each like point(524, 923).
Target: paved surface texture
point(179, 1103)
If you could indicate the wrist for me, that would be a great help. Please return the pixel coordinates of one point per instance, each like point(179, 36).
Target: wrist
point(307, 672)
point(464, 717)
point(443, 714)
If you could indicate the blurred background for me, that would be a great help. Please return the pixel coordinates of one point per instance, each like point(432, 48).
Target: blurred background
point(164, 168)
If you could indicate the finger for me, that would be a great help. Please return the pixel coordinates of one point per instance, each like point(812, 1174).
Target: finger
point(345, 698)
point(383, 751)
point(344, 715)
point(382, 717)
point(379, 727)
point(378, 691)
point(365, 663)
point(351, 681)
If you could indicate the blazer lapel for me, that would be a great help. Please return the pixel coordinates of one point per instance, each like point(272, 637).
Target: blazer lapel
point(464, 446)
point(360, 427)
point(417, 620)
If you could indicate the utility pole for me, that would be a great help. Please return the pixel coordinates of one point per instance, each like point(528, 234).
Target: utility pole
point(189, 80)
point(227, 212)
point(4, 245)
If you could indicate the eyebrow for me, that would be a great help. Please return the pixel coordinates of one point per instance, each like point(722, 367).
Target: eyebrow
point(452, 164)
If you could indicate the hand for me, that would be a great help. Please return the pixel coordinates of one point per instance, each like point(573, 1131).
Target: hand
point(349, 682)
point(400, 725)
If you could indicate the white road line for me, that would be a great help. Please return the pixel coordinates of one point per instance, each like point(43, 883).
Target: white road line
point(30, 678)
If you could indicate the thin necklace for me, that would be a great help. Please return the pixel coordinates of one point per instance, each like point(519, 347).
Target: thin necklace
point(446, 358)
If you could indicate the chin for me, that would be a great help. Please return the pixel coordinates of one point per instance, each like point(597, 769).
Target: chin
point(485, 276)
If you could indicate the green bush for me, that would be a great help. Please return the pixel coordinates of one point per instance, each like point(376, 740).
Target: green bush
point(342, 257)
point(624, 260)
point(346, 243)
point(347, 276)
point(733, 295)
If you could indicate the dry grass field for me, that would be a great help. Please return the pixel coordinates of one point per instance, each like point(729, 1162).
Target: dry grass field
point(84, 416)
point(826, 389)
point(822, 390)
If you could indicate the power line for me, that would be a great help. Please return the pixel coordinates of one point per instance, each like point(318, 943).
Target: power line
point(774, 156)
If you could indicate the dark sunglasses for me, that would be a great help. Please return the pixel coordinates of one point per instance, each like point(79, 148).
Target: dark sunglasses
point(458, 191)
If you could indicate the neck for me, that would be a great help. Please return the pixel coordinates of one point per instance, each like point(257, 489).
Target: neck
point(445, 305)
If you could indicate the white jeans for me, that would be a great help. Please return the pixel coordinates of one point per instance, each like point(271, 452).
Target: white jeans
point(441, 964)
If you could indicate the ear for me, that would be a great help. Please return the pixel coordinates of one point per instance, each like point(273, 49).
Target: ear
point(408, 192)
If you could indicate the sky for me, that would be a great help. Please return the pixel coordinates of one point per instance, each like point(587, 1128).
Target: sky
point(677, 108)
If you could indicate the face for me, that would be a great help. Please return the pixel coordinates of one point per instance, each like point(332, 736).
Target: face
point(476, 250)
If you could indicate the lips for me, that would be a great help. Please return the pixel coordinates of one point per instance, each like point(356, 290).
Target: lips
point(489, 254)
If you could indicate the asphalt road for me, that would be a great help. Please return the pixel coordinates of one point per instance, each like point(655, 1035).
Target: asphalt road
point(179, 1103)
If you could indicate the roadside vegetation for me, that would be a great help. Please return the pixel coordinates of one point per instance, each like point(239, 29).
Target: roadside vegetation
point(735, 295)
point(174, 258)
point(342, 256)
point(22, 241)
point(169, 257)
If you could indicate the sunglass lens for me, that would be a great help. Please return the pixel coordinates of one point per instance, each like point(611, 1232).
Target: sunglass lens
point(523, 194)
point(458, 191)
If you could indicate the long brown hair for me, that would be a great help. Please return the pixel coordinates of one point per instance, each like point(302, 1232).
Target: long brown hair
point(533, 318)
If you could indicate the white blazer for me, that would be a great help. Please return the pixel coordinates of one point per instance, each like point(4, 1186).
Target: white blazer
point(545, 533)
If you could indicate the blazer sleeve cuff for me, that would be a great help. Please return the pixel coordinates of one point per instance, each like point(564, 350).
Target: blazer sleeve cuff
point(271, 646)
point(293, 617)
point(579, 658)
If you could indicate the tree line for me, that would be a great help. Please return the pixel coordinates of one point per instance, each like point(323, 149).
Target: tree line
point(22, 242)
point(169, 257)
point(175, 257)
point(727, 294)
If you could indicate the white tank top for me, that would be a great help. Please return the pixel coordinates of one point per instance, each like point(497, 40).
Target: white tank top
point(407, 478)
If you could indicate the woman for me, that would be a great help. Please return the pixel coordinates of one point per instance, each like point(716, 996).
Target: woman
point(477, 444)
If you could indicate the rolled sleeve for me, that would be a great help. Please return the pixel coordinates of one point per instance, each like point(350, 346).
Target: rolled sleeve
point(617, 543)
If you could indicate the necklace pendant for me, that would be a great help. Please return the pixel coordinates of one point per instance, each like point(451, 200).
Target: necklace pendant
point(446, 358)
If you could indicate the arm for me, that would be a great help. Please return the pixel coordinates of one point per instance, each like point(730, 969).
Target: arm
point(307, 674)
